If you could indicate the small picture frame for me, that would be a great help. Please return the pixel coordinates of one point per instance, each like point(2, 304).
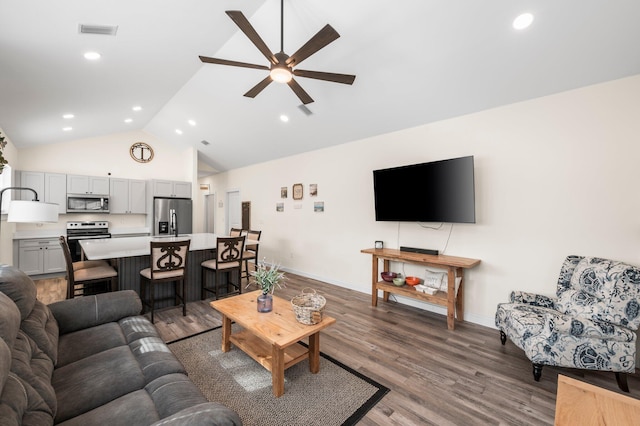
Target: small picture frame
point(297, 191)
point(379, 245)
point(313, 190)
point(283, 192)
point(318, 206)
point(279, 207)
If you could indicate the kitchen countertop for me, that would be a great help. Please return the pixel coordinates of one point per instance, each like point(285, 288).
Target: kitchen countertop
point(55, 233)
point(114, 248)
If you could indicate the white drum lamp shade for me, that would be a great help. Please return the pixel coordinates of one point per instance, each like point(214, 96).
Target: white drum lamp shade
point(32, 212)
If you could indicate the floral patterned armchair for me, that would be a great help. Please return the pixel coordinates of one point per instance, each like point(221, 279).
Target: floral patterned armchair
point(590, 324)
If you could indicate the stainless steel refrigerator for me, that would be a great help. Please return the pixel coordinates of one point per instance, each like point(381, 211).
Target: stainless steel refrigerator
point(169, 213)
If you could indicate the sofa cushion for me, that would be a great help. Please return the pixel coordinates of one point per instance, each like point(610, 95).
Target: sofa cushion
point(19, 287)
point(42, 327)
point(135, 408)
point(83, 343)
point(95, 380)
point(35, 368)
point(9, 320)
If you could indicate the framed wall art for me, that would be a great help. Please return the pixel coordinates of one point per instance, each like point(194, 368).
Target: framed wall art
point(297, 191)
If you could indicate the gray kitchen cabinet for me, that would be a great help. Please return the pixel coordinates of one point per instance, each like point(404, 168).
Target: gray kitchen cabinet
point(127, 196)
point(77, 184)
point(51, 187)
point(40, 256)
point(172, 189)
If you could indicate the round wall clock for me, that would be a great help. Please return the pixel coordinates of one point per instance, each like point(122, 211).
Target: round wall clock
point(141, 152)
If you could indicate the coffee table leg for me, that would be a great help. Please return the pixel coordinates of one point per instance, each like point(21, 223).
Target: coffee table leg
point(277, 371)
point(226, 333)
point(314, 352)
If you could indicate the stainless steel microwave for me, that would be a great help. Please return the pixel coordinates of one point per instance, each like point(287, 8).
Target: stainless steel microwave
point(82, 203)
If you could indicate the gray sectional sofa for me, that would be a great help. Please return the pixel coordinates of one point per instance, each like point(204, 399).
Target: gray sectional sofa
point(90, 361)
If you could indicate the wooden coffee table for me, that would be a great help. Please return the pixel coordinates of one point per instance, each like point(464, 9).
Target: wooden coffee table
point(272, 339)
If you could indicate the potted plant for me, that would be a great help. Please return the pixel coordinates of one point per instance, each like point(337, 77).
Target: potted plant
point(3, 161)
point(267, 279)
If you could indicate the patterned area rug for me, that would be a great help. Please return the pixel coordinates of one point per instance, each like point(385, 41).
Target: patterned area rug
point(337, 395)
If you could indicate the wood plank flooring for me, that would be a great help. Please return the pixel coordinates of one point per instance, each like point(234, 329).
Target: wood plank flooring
point(436, 376)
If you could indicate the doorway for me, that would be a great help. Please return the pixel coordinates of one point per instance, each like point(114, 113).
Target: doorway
point(234, 211)
point(210, 213)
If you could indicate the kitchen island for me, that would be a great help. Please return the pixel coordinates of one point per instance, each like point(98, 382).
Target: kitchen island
point(130, 255)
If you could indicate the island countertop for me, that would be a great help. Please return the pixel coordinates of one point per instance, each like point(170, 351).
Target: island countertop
point(116, 248)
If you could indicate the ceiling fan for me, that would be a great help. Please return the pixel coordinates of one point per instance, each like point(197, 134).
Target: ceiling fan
point(282, 67)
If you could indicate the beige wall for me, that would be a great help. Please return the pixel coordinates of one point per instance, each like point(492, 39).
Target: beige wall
point(554, 176)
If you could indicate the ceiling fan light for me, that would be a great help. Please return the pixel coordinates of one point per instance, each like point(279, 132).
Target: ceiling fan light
point(280, 75)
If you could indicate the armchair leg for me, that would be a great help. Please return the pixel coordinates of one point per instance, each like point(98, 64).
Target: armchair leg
point(621, 378)
point(537, 372)
point(503, 337)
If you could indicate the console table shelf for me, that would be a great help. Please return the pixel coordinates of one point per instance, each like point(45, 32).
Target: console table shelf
point(455, 267)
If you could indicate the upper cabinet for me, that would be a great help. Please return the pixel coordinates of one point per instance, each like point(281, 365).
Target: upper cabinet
point(77, 184)
point(171, 189)
point(50, 187)
point(127, 196)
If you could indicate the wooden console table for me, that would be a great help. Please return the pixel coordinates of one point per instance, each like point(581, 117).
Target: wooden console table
point(454, 265)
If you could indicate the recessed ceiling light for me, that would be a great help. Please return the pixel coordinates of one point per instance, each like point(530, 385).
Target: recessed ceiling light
point(92, 56)
point(68, 116)
point(67, 129)
point(523, 21)
point(128, 120)
point(284, 118)
point(137, 108)
point(178, 131)
point(192, 122)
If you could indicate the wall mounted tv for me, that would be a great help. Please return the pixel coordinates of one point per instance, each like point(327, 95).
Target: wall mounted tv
point(438, 191)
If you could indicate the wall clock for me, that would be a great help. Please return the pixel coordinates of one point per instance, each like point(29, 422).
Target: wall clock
point(297, 191)
point(141, 152)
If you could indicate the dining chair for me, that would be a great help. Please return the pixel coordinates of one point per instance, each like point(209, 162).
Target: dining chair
point(235, 232)
point(84, 277)
point(168, 264)
point(250, 251)
point(227, 261)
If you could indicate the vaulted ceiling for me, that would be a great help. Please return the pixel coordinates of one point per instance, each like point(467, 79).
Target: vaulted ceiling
point(416, 61)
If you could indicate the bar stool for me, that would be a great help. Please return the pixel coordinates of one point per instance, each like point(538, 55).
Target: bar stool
point(250, 251)
point(228, 260)
point(84, 276)
point(168, 264)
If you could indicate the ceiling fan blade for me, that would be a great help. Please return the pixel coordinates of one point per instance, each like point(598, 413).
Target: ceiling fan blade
point(243, 23)
point(322, 38)
point(327, 76)
point(299, 91)
point(232, 63)
point(255, 90)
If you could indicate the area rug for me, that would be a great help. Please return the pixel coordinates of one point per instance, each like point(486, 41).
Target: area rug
point(337, 395)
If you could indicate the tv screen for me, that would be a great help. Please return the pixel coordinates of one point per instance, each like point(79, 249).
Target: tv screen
point(438, 191)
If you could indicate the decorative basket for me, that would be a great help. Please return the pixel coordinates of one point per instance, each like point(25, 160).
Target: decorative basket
point(308, 307)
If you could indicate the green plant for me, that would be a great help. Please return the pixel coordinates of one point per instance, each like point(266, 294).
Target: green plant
point(3, 160)
point(268, 278)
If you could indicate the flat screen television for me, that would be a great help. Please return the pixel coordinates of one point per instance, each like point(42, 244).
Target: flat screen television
point(438, 191)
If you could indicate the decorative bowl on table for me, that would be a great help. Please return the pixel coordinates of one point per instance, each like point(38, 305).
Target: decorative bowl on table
point(388, 276)
point(399, 281)
point(412, 280)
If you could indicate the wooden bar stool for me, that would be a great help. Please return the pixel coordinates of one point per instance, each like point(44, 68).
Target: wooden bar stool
point(84, 277)
point(228, 260)
point(168, 264)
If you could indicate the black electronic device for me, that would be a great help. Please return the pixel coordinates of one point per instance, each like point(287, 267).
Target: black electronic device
point(419, 250)
point(438, 191)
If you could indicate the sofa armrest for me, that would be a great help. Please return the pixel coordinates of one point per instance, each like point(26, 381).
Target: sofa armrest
point(206, 414)
point(88, 311)
point(532, 299)
point(581, 327)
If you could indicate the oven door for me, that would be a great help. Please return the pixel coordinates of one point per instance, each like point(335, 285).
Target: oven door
point(74, 244)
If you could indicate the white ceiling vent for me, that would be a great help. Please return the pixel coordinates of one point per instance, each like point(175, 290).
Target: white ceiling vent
point(204, 142)
point(98, 29)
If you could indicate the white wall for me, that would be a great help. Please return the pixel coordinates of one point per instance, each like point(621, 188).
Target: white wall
point(11, 155)
point(554, 176)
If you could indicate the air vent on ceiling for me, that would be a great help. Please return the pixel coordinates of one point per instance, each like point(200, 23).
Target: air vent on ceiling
point(98, 29)
point(305, 109)
point(203, 142)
